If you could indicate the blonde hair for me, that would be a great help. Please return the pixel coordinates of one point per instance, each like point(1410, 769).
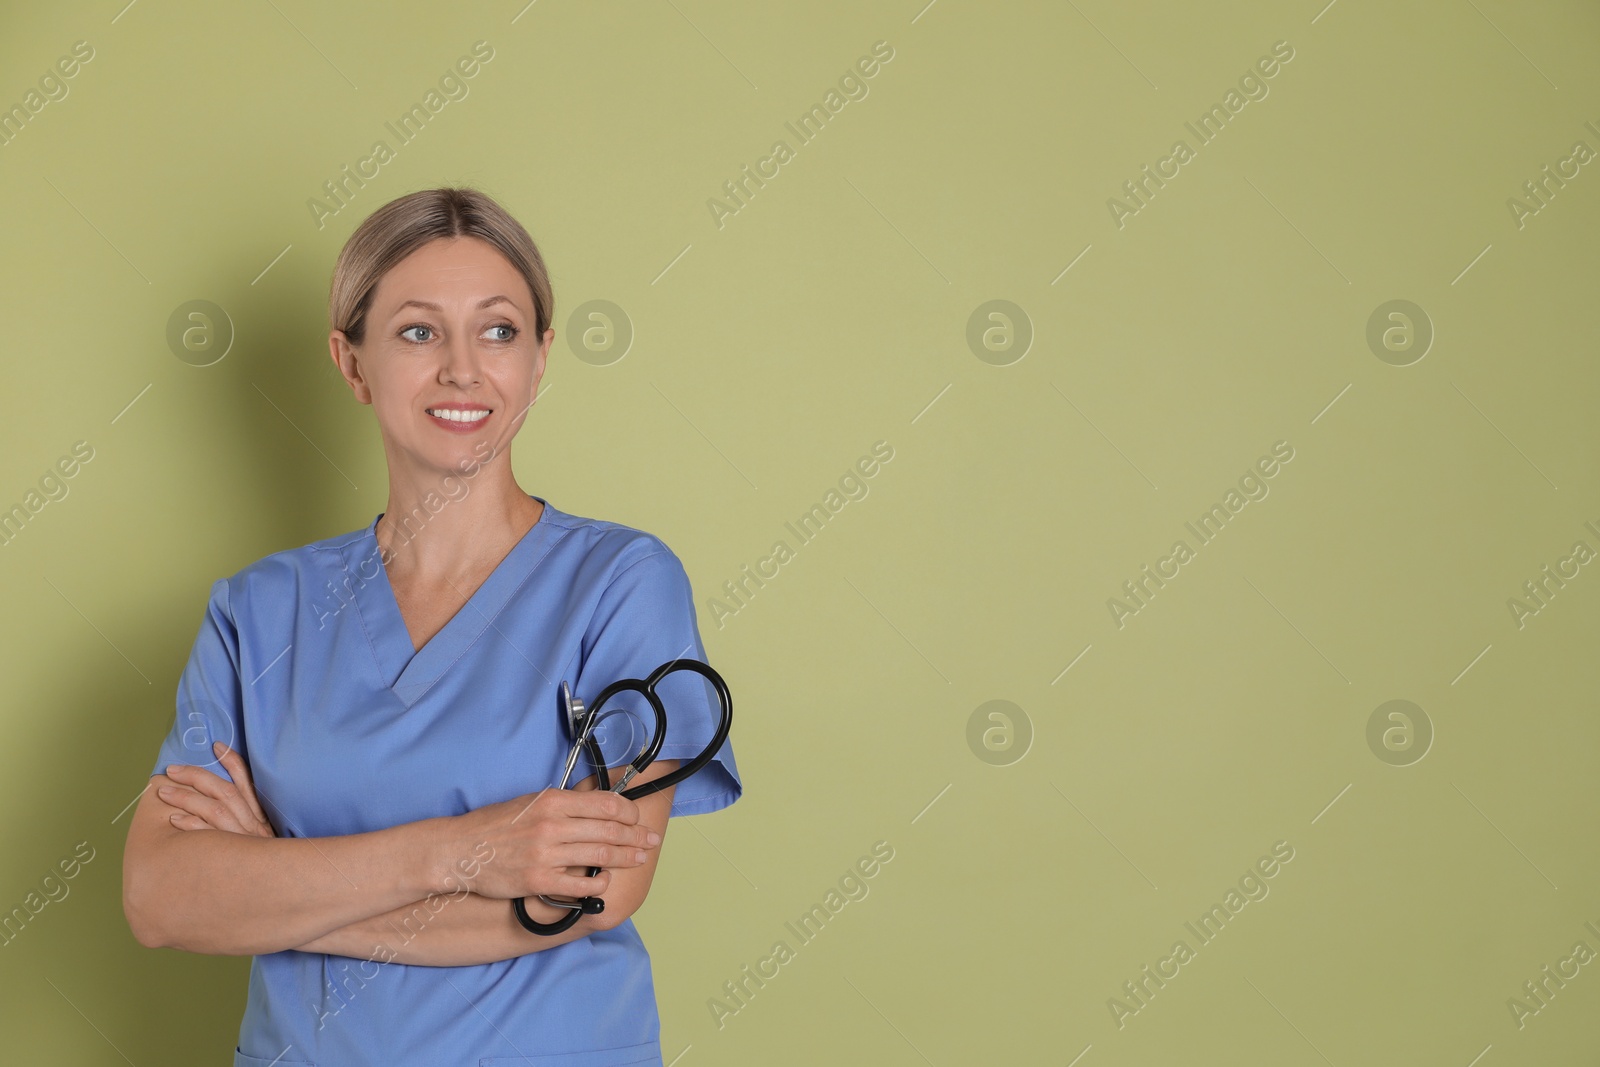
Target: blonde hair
point(402, 226)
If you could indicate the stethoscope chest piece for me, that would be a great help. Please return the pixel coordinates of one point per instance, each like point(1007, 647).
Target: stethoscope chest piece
point(570, 709)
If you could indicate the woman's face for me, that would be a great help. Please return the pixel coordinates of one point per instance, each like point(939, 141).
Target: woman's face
point(450, 362)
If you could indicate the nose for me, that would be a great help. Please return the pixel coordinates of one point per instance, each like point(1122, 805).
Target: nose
point(460, 365)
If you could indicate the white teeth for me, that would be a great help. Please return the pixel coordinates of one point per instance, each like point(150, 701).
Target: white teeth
point(452, 415)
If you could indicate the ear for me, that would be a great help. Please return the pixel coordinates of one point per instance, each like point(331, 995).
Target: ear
point(538, 363)
point(346, 358)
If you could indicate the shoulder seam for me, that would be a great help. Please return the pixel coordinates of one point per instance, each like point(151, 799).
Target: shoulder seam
point(336, 545)
point(635, 563)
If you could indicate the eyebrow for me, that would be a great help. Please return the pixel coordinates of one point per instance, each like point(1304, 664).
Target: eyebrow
point(435, 307)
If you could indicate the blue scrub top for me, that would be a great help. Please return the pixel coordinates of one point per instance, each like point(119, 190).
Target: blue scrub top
point(303, 665)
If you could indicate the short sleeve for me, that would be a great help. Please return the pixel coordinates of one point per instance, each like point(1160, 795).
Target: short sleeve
point(210, 699)
point(645, 617)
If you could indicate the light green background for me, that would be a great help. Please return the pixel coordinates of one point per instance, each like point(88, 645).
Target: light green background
point(1229, 314)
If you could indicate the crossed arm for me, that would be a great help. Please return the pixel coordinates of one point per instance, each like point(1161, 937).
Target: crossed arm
point(205, 872)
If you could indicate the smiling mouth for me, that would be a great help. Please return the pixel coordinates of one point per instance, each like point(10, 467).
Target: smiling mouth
point(457, 416)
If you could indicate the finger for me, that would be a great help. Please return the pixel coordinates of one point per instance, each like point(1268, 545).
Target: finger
point(207, 783)
point(600, 804)
point(595, 855)
point(192, 803)
point(580, 885)
point(213, 812)
point(240, 772)
point(607, 832)
point(219, 789)
point(184, 821)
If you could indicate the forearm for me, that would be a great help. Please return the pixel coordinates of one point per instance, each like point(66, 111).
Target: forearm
point(449, 930)
point(461, 929)
point(221, 893)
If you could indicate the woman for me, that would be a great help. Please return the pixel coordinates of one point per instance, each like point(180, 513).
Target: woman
point(354, 789)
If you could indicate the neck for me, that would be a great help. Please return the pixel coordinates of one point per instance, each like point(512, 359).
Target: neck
point(440, 527)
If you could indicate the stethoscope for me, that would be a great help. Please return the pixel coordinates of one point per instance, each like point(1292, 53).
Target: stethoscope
point(578, 723)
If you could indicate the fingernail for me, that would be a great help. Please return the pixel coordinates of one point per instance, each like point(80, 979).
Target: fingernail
point(171, 767)
point(165, 790)
point(218, 747)
point(638, 857)
point(652, 839)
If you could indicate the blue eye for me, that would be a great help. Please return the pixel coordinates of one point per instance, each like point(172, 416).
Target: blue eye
point(408, 329)
point(513, 331)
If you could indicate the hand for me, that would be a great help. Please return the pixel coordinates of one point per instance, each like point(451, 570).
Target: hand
point(544, 843)
point(210, 802)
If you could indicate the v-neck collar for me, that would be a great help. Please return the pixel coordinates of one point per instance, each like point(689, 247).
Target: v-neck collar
point(411, 672)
